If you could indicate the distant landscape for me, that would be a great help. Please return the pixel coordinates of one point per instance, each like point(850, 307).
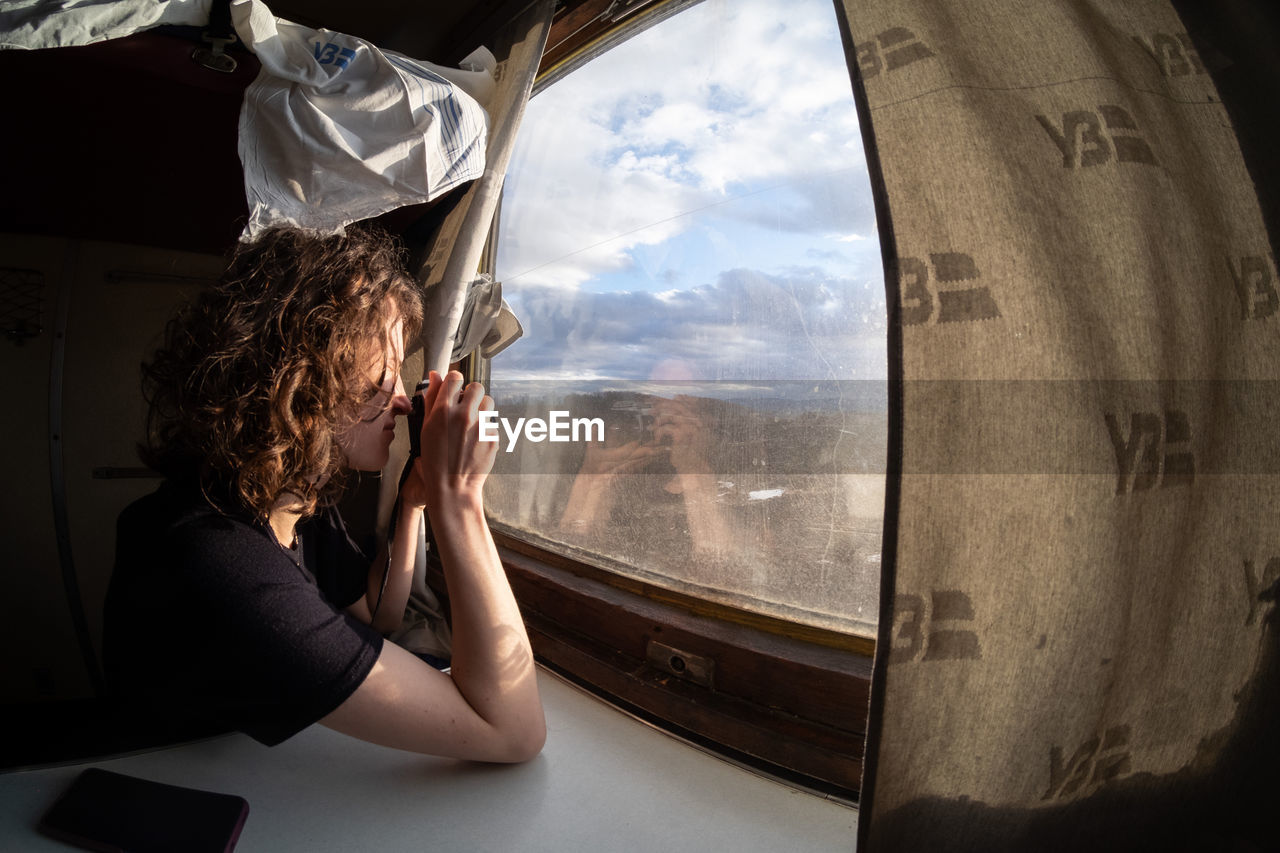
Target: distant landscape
point(797, 500)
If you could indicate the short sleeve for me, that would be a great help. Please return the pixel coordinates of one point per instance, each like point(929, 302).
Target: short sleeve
point(340, 567)
point(273, 654)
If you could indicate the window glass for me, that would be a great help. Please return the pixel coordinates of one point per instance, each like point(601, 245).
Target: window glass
point(687, 237)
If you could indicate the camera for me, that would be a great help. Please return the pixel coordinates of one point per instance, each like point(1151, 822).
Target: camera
point(633, 419)
point(416, 416)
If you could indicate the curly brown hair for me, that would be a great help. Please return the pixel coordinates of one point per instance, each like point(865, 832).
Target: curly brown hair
point(254, 380)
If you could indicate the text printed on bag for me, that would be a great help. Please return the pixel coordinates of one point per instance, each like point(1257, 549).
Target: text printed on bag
point(332, 54)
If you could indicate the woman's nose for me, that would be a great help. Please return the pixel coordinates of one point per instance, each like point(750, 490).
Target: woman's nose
point(400, 400)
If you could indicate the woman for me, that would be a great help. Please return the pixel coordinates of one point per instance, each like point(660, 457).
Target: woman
point(238, 600)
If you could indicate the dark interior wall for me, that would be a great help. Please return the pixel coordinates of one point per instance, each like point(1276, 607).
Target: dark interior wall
point(126, 140)
point(75, 416)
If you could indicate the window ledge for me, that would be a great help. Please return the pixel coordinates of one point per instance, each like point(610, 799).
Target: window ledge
point(790, 707)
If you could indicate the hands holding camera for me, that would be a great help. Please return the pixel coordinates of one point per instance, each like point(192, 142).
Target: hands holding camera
point(451, 462)
point(679, 425)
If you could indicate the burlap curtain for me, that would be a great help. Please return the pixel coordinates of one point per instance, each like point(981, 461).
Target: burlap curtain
point(1076, 648)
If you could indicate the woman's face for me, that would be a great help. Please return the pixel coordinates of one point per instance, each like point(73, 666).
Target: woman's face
point(367, 444)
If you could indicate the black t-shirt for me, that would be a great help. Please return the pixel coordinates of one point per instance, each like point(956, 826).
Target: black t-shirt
point(210, 624)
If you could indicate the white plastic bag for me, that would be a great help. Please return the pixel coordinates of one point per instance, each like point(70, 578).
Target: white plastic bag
point(334, 129)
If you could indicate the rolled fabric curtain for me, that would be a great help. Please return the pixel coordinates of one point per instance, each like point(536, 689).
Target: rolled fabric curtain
point(488, 324)
point(452, 257)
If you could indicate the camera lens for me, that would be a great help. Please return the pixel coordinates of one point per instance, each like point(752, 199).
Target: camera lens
point(416, 415)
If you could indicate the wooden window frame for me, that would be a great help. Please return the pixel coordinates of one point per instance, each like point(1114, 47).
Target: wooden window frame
point(785, 698)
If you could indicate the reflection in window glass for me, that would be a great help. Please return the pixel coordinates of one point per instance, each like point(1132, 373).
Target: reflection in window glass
point(687, 236)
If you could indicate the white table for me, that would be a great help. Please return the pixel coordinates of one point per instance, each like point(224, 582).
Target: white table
point(604, 782)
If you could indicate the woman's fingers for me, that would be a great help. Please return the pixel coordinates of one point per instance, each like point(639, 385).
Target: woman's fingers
point(462, 406)
point(446, 399)
point(451, 449)
point(448, 395)
point(431, 391)
point(472, 396)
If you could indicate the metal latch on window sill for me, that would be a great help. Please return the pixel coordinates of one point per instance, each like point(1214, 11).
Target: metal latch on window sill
point(681, 664)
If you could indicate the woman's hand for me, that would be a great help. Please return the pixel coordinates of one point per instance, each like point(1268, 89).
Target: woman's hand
point(487, 708)
point(603, 459)
point(413, 491)
point(454, 462)
point(679, 425)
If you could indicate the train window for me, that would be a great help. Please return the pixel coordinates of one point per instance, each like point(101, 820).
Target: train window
point(687, 236)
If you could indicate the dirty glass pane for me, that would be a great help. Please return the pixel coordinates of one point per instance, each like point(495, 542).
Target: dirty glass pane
point(687, 237)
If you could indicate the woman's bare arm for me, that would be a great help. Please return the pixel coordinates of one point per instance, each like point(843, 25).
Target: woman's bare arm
point(489, 708)
point(383, 604)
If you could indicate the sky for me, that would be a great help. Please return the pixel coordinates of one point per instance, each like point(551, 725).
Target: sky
point(697, 196)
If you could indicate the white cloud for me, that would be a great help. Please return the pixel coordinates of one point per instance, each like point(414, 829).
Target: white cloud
point(720, 100)
point(747, 325)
